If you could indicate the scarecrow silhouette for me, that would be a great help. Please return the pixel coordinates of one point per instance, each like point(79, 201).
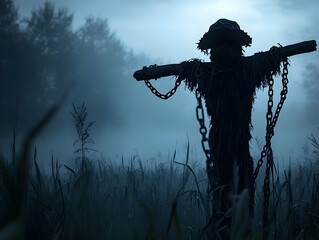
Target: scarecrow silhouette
point(228, 85)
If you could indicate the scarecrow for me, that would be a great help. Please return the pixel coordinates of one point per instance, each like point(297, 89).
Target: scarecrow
point(228, 86)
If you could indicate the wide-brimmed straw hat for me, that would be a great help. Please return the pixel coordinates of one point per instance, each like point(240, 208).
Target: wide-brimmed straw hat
point(221, 30)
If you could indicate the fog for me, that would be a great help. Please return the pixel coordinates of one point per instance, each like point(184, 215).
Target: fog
point(130, 120)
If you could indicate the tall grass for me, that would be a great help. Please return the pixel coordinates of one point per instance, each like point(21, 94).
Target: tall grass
point(131, 199)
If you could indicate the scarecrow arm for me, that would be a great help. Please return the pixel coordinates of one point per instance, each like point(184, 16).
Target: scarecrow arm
point(283, 52)
point(298, 48)
point(265, 65)
point(155, 72)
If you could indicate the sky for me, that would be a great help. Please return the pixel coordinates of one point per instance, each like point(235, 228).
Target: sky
point(167, 32)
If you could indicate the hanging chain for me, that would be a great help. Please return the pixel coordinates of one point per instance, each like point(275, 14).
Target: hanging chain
point(283, 93)
point(202, 129)
point(267, 150)
point(156, 92)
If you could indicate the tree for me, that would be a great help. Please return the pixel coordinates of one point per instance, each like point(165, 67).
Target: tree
point(100, 65)
point(50, 30)
point(35, 61)
point(14, 67)
point(45, 56)
point(8, 16)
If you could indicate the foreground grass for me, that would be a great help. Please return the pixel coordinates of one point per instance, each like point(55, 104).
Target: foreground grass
point(128, 200)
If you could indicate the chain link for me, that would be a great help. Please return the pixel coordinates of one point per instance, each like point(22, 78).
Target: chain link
point(267, 150)
point(156, 92)
point(202, 129)
point(199, 113)
point(266, 190)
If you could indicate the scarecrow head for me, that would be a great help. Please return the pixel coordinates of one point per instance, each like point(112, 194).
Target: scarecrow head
point(225, 40)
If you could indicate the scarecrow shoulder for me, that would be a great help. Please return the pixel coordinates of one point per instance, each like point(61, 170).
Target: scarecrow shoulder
point(194, 74)
point(263, 66)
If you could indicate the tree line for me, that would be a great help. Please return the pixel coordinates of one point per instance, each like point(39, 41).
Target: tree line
point(43, 55)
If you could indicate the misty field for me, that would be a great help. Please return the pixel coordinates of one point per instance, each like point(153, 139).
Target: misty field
point(89, 197)
point(131, 199)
